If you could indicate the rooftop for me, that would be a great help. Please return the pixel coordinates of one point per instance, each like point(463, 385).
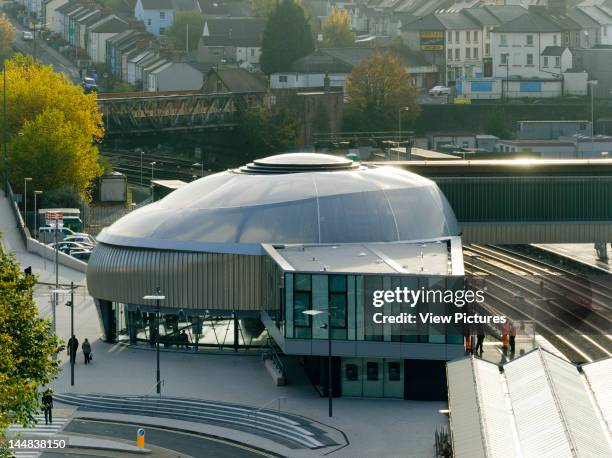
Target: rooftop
point(420, 258)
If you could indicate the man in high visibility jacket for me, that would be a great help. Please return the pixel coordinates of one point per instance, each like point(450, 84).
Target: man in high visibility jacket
point(505, 332)
point(512, 338)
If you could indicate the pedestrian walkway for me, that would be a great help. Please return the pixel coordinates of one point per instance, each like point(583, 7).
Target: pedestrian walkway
point(583, 253)
point(38, 431)
point(283, 428)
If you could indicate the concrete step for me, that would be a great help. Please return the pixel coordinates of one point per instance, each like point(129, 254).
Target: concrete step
point(284, 428)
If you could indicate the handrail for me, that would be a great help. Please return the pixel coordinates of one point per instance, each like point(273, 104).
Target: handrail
point(274, 357)
point(263, 406)
point(161, 382)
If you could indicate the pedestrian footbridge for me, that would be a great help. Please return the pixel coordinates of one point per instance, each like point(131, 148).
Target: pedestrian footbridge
point(518, 201)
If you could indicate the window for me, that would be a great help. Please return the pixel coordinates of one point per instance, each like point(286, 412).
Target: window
point(555, 40)
point(162, 15)
point(475, 36)
point(468, 53)
point(282, 79)
point(148, 21)
point(605, 31)
point(529, 40)
point(450, 54)
point(252, 52)
point(449, 37)
point(394, 372)
point(162, 30)
point(475, 53)
point(557, 61)
point(529, 59)
point(372, 371)
point(567, 38)
point(468, 36)
point(504, 59)
point(488, 31)
point(457, 37)
point(302, 300)
point(503, 40)
point(487, 49)
point(352, 372)
point(546, 61)
point(457, 54)
point(338, 301)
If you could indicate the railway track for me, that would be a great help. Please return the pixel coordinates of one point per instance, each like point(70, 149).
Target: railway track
point(574, 315)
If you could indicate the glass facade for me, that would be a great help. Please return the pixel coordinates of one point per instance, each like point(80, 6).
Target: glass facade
point(372, 377)
point(349, 300)
point(189, 330)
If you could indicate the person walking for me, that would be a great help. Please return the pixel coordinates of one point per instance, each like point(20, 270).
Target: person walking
point(86, 351)
point(512, 338)
point(47, 404)
point(73, 346)
point(480, 337)
point(505, 332)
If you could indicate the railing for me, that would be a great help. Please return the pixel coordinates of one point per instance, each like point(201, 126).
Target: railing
point(271, 354)
point(23, 231)
point(280, 399)
point(161, 382)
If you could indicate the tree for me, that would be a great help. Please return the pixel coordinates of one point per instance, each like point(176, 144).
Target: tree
point(53, 128)
point(287, 37)
point(186, 21)
point(27, 345)
point(267, 131)
point(263, 8)
point(379, 87)
point(337, 31)
point(7, 37)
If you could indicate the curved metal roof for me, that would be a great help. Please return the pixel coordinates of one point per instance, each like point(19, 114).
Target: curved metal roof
point(336, 203)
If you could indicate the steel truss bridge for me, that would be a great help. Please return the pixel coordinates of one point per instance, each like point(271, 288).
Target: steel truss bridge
point(141, 112)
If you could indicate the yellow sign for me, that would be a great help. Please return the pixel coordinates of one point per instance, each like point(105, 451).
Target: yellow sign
point(432, 40)
point(462, 101)
point(140, 438)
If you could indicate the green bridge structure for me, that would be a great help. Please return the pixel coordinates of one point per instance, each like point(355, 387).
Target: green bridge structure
point(520, 201)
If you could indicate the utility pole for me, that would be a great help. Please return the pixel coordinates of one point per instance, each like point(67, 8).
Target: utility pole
point(5, 133)
point(73, 357)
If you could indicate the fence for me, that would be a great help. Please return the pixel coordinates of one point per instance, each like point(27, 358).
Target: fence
point(97, 218)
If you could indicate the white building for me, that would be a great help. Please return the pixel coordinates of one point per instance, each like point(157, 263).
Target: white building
point(174, 76)
point(101, 31)
point(52, 17)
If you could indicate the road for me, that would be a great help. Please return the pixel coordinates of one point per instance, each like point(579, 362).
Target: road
point(189, 444)
point(44, 53)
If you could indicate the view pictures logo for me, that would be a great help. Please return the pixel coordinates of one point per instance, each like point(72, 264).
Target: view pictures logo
point(413, 297)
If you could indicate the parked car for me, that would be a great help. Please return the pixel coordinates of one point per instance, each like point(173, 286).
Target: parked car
point(83, 238)
point(26, 35)
point(439, 90)
point(67, 247)
point(64, 232)
point(89, 85)
point(82, 255)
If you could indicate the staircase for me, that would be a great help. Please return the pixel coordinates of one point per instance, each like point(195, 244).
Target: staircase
point(289, 430)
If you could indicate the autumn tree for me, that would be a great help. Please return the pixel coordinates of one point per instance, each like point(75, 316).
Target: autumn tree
point(267, 131)
point(286, 38)
point(7, 37)
point(186, 24)
point(53, 128)
point(379, 87)
point(27, 344)
point(337, 31)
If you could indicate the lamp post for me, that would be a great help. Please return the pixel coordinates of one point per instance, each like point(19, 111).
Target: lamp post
point(70, 304)
point(25, 201)
point(5, 132)
point(156, 297)
point(152, 176)
point(592, 83)
point(329, 352)
point(138, 150)
point(201, 165)
point(36, 193)
point(399, 126)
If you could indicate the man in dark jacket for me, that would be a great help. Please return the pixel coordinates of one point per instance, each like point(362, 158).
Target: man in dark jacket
point(86, 350)
point(73, 345)
point(47, 404)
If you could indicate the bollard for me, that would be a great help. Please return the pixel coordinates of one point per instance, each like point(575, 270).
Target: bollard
point(140, 438)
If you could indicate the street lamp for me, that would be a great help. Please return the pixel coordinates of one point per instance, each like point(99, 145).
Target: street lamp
point(36, 193)
point(25, 201)
point(156, 297)
point(201, 165)
point(5, 133)
point(592, 83)
point(329, 352)
point(138, 150)
point(399, 126)
point(152, 173)
point(70, 304)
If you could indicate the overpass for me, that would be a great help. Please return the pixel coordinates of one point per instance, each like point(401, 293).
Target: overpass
point(520, 201)
point(142, 112)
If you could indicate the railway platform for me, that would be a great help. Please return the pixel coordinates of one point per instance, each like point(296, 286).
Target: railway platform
point(584, 253)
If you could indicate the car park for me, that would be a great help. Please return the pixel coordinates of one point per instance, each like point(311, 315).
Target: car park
point(81, 238)
point(26, 35)
point(439, 90)
point(66, 247)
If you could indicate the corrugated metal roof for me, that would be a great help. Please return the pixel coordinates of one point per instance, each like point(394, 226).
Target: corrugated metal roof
point(547, 410)
point(599, 379)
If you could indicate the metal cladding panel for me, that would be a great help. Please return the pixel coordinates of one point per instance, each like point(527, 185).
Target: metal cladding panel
point(599, 378)
point(481, 423)
point(188, 280)
point(554, 414)
point(465, 420)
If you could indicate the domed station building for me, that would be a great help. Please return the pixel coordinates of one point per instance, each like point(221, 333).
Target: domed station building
point(242, 254)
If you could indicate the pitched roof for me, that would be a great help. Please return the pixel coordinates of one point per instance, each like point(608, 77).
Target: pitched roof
point(239, 80)
point(529, 22)
point(602, 15)
point(553, 51)
point(110, 24)
point(176, 5)
point(580, 17)
point(233, 32)
point(482, 15)
point(443, 21)
point(505, 13)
